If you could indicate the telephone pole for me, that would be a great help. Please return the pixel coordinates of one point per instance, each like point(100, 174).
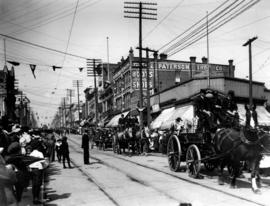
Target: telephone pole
point(148, 81)
point(70, 94)
point(248, 43)
point(78, 84)
point(139, 11)
point(64, 119)
point(92, 67)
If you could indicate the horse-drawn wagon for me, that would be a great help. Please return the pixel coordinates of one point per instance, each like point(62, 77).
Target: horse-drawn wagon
point(225, 146)
point(192, 148)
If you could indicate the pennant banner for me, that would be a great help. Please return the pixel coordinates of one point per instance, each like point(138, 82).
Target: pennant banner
point(33, 68)
point(55, 67)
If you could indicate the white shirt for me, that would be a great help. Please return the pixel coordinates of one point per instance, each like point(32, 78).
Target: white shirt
point(38, 164)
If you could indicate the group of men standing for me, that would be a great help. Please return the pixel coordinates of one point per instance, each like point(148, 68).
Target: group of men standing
point(127, 122)
point(216, 111)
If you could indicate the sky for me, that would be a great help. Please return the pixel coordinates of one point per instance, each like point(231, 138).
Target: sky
point(81, 27)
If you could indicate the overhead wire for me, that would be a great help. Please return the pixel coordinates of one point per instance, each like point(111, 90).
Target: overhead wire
point(215, 27)
point(58, 16)
point(39, 19)
point(163, 19)
point(41, 46)
point(29, 12)
point(202, 28)
point(69, 36)
point(192, 26)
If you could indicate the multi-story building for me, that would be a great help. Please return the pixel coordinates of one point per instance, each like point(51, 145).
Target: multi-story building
point(7, 93)
point(163, 74)
point(105, 92)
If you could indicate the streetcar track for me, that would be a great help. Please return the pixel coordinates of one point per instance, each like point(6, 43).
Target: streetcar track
point(173, 175)
point(133, 179)
point(91, 179)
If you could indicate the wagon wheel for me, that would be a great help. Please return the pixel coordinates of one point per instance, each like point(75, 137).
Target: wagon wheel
point(193, 161)
point(174, 153)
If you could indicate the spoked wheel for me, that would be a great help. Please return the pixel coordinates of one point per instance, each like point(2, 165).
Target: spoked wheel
point(174, 153)
point(193, 161)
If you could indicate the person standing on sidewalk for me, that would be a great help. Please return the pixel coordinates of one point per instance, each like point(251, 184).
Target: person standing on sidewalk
point(85, 146)
point(65, 152)
point(37, 172)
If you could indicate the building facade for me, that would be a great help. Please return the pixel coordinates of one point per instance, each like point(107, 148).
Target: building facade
point(163, 74)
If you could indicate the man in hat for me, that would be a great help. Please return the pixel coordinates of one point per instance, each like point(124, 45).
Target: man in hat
point(177, 126)
point(203, 109)
point(37, 171)
point(85, 146)
point(121, 122)
point(229, 111)
point(65, 152)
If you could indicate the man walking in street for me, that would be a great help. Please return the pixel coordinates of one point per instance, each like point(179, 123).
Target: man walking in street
point(85, 146)
point(65, 152)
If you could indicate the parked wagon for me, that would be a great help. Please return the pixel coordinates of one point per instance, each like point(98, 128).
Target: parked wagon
point(192, 148)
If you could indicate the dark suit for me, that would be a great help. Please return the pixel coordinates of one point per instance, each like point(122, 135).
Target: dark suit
point(65, 152)
point(85, 146)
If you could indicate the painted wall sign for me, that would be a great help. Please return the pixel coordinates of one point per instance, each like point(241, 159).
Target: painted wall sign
point(135, 75)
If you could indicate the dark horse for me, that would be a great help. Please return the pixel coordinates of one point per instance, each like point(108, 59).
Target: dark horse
point(235, 146)
point(133, 136)
point(120, 141)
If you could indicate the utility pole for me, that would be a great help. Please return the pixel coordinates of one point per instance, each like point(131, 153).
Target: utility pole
point(248, 43)
point(78, 84)
point(92, 66)
point(156, 76)
point(65, 122)
point(21, 109)
point(207, 42)
point(70, 93)
point(139, 12)
point(148, 81)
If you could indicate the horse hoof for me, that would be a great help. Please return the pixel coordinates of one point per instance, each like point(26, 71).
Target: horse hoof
point(233, 186)
point(257, 191)
point(220, 182)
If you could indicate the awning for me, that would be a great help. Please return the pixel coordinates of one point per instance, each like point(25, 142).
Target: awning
point(263, 115)
point(164, 115)
point(186, 113)
point(114, 121)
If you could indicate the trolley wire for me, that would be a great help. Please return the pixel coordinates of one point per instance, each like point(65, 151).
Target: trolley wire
point(215, 27)
point(201, 28)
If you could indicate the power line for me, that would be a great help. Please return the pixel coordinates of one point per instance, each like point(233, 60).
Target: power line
point(162, 20)
point(191, 26)
point(43, 47)
point(202, 27)
point(215, 27)
point(54, 18)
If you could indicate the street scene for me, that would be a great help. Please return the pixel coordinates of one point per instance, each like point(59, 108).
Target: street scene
point(140, 103)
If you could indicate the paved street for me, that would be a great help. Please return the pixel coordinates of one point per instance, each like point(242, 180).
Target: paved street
point(113, 179)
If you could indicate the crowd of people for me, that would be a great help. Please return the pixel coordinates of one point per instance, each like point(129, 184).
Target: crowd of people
point(24, 156)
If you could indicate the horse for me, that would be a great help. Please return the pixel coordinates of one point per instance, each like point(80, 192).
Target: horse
point(121, 141)
point(133, 136)
point(235, 146)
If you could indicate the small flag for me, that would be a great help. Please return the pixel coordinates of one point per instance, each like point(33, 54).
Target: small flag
point(55, 67)
point(14, 63)
point(33, 68)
